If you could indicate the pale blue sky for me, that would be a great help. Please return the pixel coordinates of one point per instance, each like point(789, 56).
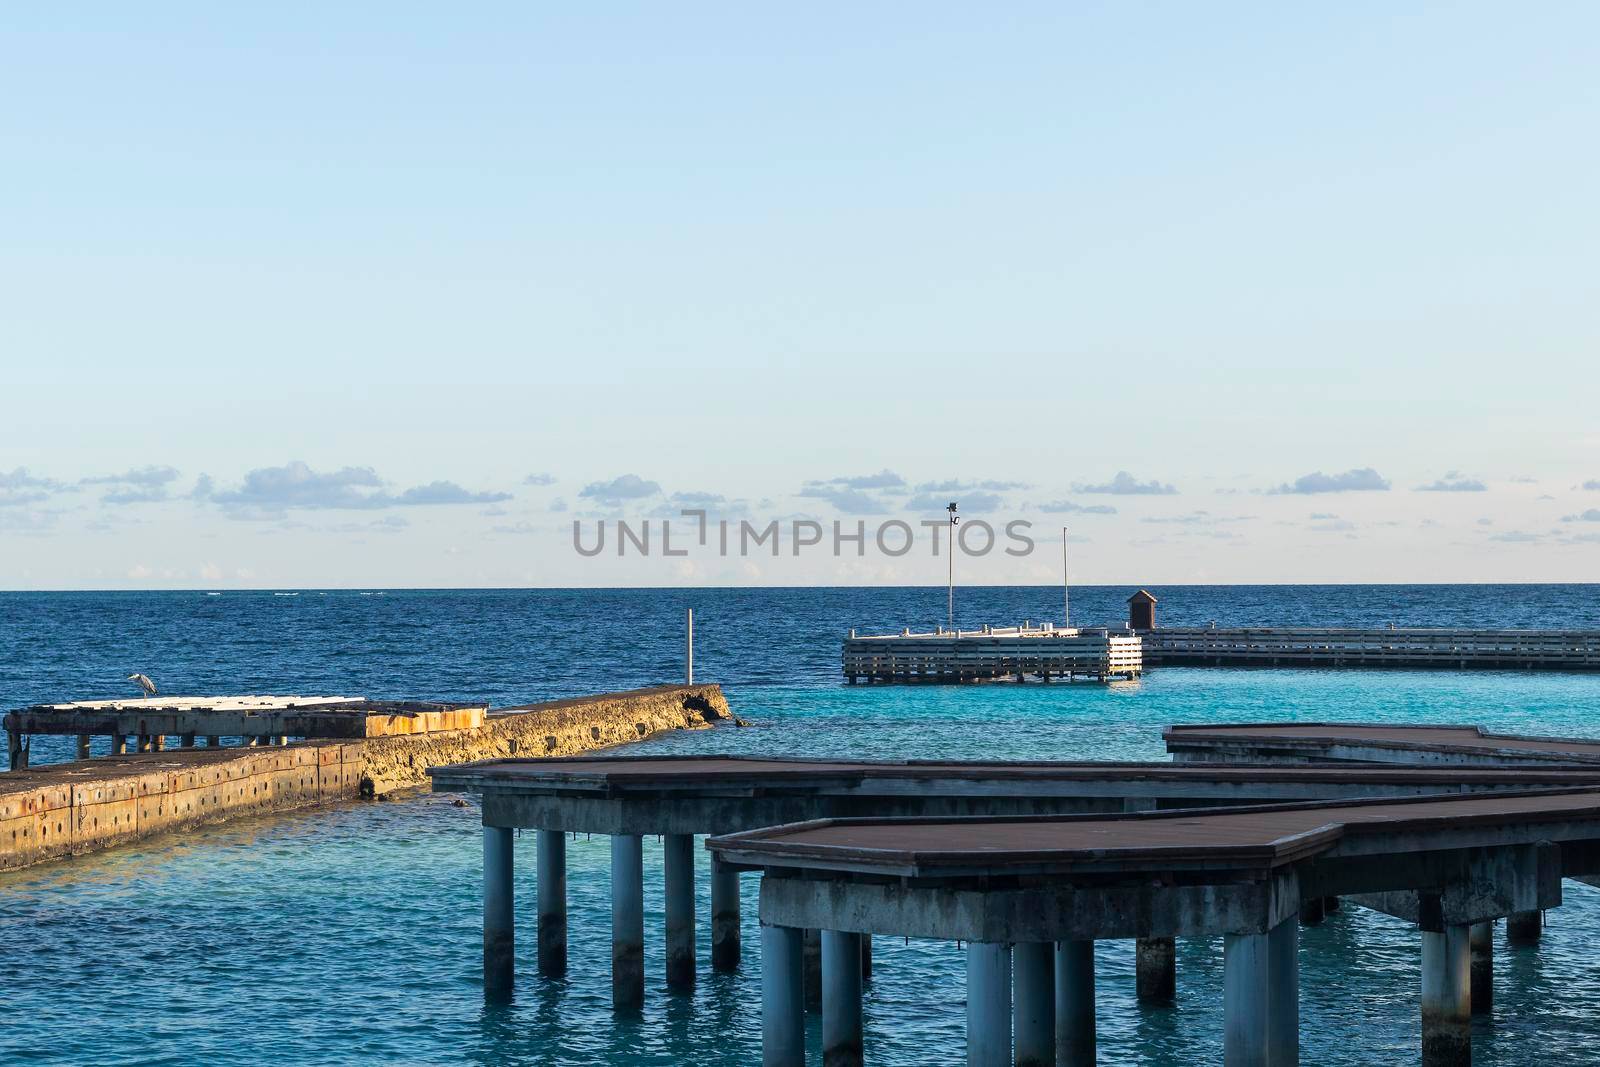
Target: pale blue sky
point(733, 249)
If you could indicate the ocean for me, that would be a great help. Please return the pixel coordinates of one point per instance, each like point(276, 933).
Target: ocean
point(353, 935)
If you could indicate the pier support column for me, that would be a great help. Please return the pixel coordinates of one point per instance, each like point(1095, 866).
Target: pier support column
point(499, 923)
point(866, 957)
point(725, 949)
point(1446, 998)
point(1524, 927)
point(252, 741)
point(1313, 911)
point(83, 746)
point(783, 1007)
point(812, 956)
point(1075, 1003)
point(213, 741)
point(158, 743)
point(1246, 963)
point(1283, 994)
point(119, 744)
point(144, 743)
point(1330, 905)
point(551, 872)
point(678, 861)
point(627, 923)
point(1482, 943)
point(841, 999)
point(1156, 969)
point(18, 750)
point(988, 1004)
point(186, 740)
point(1034, 1000)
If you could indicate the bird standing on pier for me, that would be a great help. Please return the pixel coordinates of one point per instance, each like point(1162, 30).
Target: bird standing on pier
point(143, 682)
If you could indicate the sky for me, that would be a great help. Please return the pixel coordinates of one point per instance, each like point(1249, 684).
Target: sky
point(393, 295)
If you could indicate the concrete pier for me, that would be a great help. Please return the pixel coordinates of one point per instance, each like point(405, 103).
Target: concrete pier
point(1156, 969)
point(1034, 1003)
point(1446, 998)
point(1313, 911)
point(627, 923)
point(783, 1008)
point(841, 999)
point(988, 1004)
point(1482, 943)
point(725, 947)
point(811, 955)
point(1524, 927)
point(678, 862)
point(1075, 1026)
point(1246, 963)
point(551, 871)
point(499, 921)
point(1283, 994)
point(83, 746)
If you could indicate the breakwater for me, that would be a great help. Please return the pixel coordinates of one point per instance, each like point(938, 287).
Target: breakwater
point(58, 810)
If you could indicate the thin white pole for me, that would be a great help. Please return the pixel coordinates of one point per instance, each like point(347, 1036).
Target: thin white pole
point(950, 602)
point(1066, 594)
point(689, 650)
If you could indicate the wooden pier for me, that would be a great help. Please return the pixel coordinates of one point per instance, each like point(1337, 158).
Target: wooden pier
point(994, 652)
point(1276, 646)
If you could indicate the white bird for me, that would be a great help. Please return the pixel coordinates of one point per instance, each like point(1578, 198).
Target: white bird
point(143, 682)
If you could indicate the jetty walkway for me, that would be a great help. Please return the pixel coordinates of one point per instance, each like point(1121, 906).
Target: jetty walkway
point(1032, 862)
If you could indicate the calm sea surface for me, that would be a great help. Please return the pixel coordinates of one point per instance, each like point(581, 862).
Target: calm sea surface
point(353, 936)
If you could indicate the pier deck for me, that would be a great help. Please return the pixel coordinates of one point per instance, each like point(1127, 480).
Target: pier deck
point(1372, 743)
point(1457, 649)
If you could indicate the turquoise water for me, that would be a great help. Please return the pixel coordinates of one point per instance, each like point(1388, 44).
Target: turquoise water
point(354, 935)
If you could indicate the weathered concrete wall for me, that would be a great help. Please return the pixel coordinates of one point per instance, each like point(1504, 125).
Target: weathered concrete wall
point(558, 728)
point(66, 809)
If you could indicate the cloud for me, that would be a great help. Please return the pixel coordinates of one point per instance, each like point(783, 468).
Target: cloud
point(1067, 507)
point(884, 479)
point(148, 477)
point(1453, 482)
point(1592, 515)
point(445, 493)
point(558, 504)
point(27, 521)
point(693, 499)
point(1125, 484)
point(1592, 483)
point(1516, 537)
point(520, 529)
point(1195, 518)
point(1332, 525)
point(955, 485)
point(18, 487)
point(620, 490)
point(972, 501)
point(269, 491)
point(849, 501)
point(1362, 479)
point(539, 479)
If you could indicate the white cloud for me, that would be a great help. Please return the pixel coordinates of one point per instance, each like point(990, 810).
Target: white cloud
point(1361, 479)
point(1125, 484)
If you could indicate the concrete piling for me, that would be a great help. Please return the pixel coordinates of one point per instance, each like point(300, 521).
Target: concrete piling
point(144, 743)
point(866, 957)
point(83, 746)
point(841, 999)
point(119, 744)
point(1034, 1003)
point(1075, 1002)
point(499, 922)
point(1481, 940)
point(186, 740)
point(1446, 998)
point(1283, 994)
point(1313, 911)
point(1156, 969)
point(627, 923)
point(988, 1004)
point(551, 873)
point(213, 741)
point(1246, 968)
point(1524, 927)
point(783, 1009)
point(725, 947)
point(811, 955)
point(678, 862)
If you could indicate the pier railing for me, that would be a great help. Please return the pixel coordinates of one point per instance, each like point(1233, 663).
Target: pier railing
point(994, 652)
point(1567, 650)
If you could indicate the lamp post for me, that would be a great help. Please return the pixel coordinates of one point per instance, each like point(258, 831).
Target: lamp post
point(1066, 593)
point(950, 598)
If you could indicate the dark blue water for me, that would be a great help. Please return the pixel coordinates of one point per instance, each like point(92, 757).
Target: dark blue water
point(353, 936)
